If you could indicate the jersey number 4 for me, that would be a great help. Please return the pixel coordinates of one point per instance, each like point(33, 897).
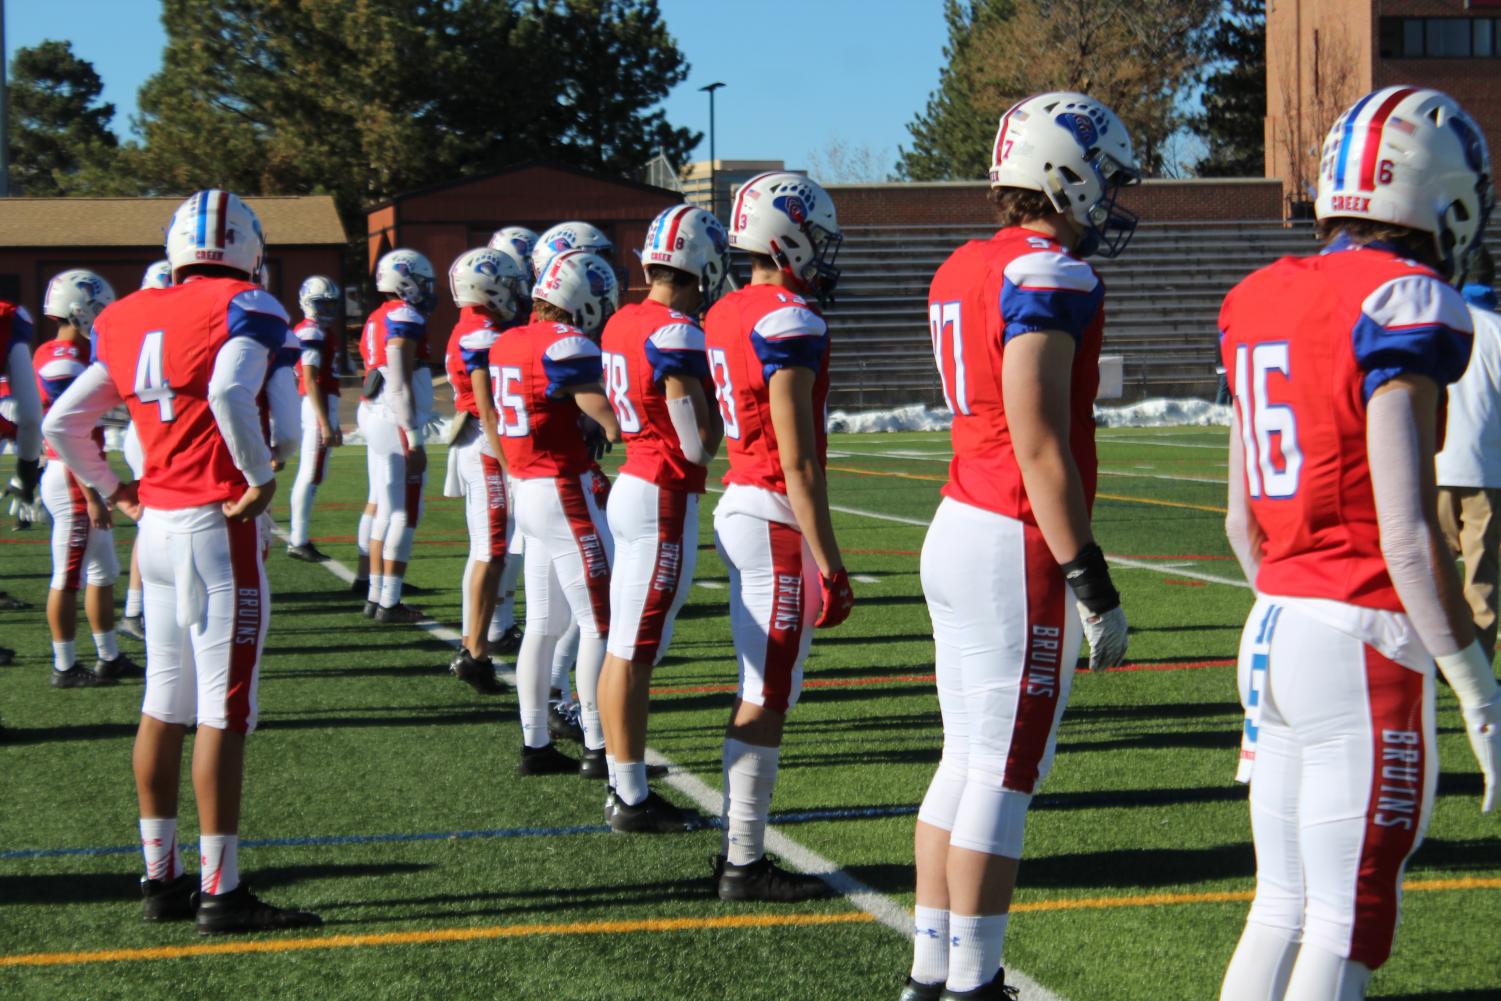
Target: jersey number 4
point(151, 378)
point(618, 387)
point(1270, 473)
point(724, 391)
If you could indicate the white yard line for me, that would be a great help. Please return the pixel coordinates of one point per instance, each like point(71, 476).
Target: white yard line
point(878, 905)
point(1113, 439)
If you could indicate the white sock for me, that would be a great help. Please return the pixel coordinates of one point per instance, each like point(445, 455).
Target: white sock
point(591, 660)
point(750, 774)
point(975, 944)
point(531, 686)
point(159, 845)
point(133, 604)
point(1322, 976)
point(219, 857)
point(390, 591)
point(610, 769)
point(465, 611)
point(62, 655)
point(630, 781)
point(930, 944)
point(105, 643)
point(362, 540)
point(1262, 964)
point(302, 510)
point(376, 583)
point(504, 616)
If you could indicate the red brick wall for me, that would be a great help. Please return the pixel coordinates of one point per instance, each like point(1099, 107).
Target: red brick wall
point(963, 202)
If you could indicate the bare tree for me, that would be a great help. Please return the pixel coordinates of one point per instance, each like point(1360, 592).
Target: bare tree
point(841, 162)
point(1307, 118)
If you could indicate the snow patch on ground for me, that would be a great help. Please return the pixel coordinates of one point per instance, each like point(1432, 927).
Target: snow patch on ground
point(1146, 414)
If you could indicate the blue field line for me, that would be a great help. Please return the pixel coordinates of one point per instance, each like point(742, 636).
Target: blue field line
point(327, 840)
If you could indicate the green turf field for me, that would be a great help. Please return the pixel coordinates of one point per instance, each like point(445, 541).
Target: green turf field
point(382, 793)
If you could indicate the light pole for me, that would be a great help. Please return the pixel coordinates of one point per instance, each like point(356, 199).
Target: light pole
point(713, 159)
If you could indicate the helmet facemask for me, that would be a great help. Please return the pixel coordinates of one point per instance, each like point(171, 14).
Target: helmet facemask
point(1108, 226)
point(819, 275)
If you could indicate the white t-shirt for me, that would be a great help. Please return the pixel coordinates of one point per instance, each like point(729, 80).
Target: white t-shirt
point(1472, 448)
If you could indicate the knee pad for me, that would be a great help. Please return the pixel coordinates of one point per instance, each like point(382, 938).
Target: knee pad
point(380, 525)
point(404, 534)
point(990, 818)
point(941, 804)
point(362, 540)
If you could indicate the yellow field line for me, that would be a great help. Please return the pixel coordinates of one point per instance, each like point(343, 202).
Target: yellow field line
point(928, 477)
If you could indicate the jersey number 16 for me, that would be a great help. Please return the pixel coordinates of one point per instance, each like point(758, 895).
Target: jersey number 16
point(1261, 419)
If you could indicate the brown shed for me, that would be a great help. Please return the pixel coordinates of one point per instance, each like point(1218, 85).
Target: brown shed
point(445, 220)
point(120, 237)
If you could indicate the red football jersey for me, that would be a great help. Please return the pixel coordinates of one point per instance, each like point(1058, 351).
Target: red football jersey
point(539, 426)
point(57, 363)
point(986, 293)
point(643, 344)
point(392, 318)
point(751, 334)
point(159, 347)
point(468, 350)
point(326, 345)
point(1305, 342)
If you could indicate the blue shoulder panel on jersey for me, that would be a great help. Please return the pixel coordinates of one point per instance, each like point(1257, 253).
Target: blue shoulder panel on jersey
point(474, 347)
point(1025, 309)
point(579, 370)
point(21, 328)
point(687, 363)
point(53, 388)
point(267, 329)
point(1435, 350)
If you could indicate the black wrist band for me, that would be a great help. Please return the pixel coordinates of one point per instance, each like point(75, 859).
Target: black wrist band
point(1089, 577)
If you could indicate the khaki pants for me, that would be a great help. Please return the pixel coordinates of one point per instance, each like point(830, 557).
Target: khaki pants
point(1471, 520)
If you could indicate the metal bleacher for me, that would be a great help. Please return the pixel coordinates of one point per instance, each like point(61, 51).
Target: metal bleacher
point(1163, 300)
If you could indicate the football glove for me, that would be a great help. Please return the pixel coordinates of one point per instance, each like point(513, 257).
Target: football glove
point(594, 437)
point(838, 599)
point(1107, 637)
point(28, 475)
point(1483, 727)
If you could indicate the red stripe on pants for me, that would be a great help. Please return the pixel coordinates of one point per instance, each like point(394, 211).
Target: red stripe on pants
point(413, 503)
point(78, 533)
point(1037, 699)
point(1394, 815)
point(250, 607)
point(666, 574)
point(784, 631)
point(495, 503)
point(591, 548)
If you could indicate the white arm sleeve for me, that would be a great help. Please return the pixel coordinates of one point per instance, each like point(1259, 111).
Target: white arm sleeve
point(398, 394)
point(685, 423)
point(1395, 458)
point(239, 373)
point(286, 412)
point(70, 424)
point(28, 402)
point(1240, 523)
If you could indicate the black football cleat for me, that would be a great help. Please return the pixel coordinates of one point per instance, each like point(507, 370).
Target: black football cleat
point(653, 815)
point(371, 608)
point(77, 677)
point(996, 990)
point(545, 760)
point(476, 672)
point(563, 721)
point(10, 603)
point(120, 667)
point(763, 879)
point(399, 613)
point(507, 642)
point(592, 765)
point(307, 553)
point(360, 585)
point(6, 655)
point(133, 626)
point(239, 910)
point(915, 991)
point(175, 900)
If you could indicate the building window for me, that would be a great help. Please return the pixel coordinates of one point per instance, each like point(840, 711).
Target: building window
point(1439, 38)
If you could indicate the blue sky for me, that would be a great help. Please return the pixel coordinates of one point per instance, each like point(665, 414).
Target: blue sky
point(798, 75)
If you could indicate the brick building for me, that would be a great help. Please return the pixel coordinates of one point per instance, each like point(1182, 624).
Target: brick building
point(120, 237)
point(1324, 54)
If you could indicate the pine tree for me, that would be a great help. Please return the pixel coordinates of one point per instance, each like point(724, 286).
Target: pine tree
point(58, 125)
point(1232, 122)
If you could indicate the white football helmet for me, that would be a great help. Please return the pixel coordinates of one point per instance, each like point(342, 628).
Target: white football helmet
point(216, 227)
point(581, 284)
point(1410, 156)
point(790, 218)
point(488, 278)
point(159, 275)
point(1076, 151)
point(409, 276)
point(320, 299)
point(517, 243)
point(568, 236)
point(77, 297)
point(690, 239)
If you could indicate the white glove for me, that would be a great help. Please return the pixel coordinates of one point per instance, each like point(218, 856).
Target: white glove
point(1483, 727)
point(1107, 637)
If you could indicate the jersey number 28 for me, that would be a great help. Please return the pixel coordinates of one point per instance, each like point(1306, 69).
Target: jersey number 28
point(1261, 420)
point(617, 388)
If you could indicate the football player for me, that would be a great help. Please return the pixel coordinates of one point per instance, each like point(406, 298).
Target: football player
point(23, 427)
point(132, 623)
point(83, 542)
point(657, 378)
point(487, 286)
point(401, 393)
point(1016, 323)
point(768, 351)
point(548, 384)
point(1338, 364)
point(570, 236)
point(517, 243)
point(189, 362)
point(319, 334)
